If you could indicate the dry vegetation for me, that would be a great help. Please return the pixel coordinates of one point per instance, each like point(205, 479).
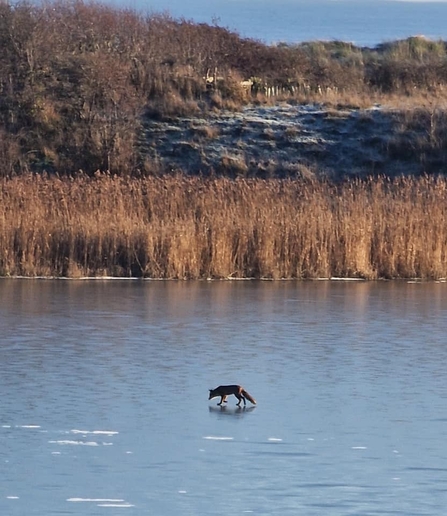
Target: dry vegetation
point(77, 81)
point(78, 78)
point(179, 227)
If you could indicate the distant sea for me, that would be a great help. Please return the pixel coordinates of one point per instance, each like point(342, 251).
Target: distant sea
point(362, 22)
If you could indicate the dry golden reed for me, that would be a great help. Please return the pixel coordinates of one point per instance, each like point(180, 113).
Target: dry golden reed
point(188, 228)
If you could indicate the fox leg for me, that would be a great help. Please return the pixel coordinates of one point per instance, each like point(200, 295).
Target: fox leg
point(240, 398)
point(223, 399)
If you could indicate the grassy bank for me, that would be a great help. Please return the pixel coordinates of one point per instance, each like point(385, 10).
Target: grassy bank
point(179, 227)
point(78, 79)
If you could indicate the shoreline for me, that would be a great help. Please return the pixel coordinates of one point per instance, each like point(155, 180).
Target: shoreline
point(216, 280)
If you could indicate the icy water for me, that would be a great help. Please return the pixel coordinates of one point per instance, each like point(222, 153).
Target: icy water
point(104, 398)
point(363, 22)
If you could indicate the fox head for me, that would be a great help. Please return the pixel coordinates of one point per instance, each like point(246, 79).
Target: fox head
point(211, 394)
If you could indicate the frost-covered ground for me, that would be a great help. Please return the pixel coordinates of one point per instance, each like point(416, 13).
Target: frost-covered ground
point(286, 140)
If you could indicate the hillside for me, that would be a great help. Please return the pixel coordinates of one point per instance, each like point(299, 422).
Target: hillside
point(89, 87)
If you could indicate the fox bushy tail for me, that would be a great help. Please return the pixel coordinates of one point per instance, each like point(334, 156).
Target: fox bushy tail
point(248, 396)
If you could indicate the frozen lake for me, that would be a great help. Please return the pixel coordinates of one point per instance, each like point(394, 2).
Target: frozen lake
point(105, 411)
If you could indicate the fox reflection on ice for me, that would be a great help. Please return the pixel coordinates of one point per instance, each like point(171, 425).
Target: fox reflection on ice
point(229, 411)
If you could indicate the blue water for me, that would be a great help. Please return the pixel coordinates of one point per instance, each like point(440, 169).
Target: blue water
point(104, 398)
point(363, 22)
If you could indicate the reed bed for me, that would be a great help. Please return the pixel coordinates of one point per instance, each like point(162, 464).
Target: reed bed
point(181, 227)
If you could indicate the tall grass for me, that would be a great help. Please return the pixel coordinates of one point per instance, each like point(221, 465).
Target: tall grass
point(178, 227)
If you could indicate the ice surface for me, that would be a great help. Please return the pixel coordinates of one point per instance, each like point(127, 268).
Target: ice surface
point(94, 432)
point(215, 438)
point(80, 443)
point(96, 500)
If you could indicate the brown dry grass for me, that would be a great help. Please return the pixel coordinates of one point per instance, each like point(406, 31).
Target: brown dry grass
point(179, 227)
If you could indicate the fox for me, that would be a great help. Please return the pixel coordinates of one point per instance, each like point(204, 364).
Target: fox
point(226, 390)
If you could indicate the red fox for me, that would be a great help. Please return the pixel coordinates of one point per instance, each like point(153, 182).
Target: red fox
point(226, 390)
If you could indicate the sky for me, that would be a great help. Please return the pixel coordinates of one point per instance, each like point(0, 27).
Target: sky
point(362, 22)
